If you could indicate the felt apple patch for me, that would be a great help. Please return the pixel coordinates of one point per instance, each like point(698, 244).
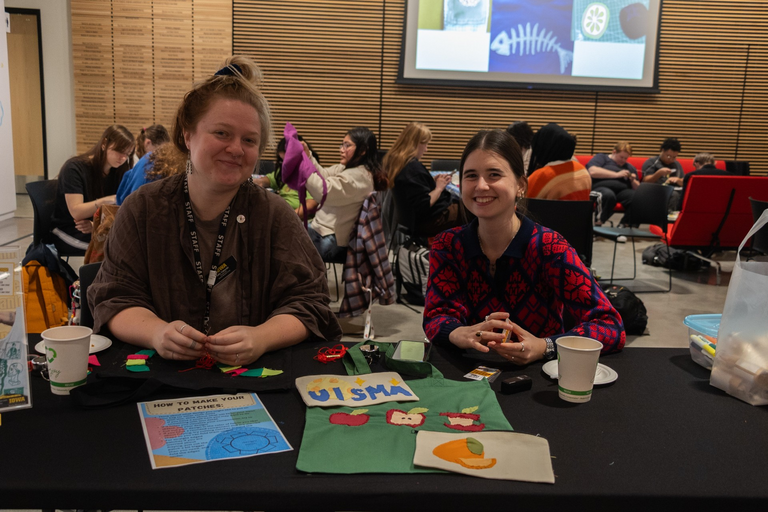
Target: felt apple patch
point(464, 420)
point(413, 418)
point(355, 418)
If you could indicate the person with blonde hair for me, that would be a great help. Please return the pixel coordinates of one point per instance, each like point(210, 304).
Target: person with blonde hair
point(422, 203)
point(615, 178)
point(206, 261)
point(88, 181)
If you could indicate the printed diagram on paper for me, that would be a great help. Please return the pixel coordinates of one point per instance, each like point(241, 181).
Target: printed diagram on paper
point(14, 378)
point(194, 430)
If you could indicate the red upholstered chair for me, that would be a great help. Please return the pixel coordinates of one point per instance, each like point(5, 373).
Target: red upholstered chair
point(716, 215)
point(638, 161)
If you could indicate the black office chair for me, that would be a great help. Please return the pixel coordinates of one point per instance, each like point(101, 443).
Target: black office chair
point(332, 262)
point(572, 219)
point(649, 206)
point(87, 275)
point(42, 194)
point(388, 215)
point(760, 240)
point(445, 165)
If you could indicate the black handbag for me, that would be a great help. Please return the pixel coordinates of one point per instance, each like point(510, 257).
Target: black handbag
point(630, 307)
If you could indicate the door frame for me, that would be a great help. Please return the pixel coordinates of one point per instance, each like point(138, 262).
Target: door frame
point(36, 13)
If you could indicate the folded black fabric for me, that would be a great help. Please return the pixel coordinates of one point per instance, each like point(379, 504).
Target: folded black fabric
point(112, 383)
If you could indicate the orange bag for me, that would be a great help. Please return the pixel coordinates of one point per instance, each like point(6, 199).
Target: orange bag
point(45, 298)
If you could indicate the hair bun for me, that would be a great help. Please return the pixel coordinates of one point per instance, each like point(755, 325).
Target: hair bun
point(245, 67)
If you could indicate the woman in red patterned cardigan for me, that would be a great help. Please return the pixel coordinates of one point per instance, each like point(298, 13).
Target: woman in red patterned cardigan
point(503, 271)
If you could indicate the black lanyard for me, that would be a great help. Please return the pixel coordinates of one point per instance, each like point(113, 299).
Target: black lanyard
point(196, 252)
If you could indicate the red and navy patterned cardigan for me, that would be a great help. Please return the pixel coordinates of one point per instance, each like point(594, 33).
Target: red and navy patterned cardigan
point(538, 276)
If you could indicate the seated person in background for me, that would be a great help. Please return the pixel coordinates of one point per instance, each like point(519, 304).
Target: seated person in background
point(665, 169)
point(348, 184)
point(523, 135)
point(88, 181)
point(555, 175)
point(148, 141)
point(615, 179)
point(274, 180)
point(504, 271)
point(206, 261)
point(704, 163)
point(423, 204)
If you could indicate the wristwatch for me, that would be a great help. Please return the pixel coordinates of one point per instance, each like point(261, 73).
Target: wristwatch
point(549, 352)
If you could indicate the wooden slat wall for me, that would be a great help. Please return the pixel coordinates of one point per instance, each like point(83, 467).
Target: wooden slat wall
point(322, 64)
point(134, 59)
point(332, 65)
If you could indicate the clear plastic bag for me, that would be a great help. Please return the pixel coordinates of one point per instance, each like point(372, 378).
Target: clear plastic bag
point(741, 360)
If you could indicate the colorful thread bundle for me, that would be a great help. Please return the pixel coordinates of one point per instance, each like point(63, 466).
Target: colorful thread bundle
point(204, 363)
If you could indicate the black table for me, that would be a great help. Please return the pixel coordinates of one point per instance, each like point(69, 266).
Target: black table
point(659, 436)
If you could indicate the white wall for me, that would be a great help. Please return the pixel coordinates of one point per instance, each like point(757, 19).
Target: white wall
point(58, 78)
point(7, 196)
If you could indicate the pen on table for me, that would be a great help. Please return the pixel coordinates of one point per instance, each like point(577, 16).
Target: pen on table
point(702, 344)
point(704, 339)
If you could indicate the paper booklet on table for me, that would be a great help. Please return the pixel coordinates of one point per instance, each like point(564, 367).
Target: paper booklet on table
point(14, 377)
point(202, 429)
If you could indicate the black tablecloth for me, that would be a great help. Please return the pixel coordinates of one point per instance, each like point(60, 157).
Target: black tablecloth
point(659, 436)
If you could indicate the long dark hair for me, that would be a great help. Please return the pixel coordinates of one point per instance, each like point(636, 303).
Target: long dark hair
point(550, 143)
point(367, 155)
point(115, 137)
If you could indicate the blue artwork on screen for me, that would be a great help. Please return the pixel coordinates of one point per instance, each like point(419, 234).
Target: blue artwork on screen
point(531, 36)
point(610, 21)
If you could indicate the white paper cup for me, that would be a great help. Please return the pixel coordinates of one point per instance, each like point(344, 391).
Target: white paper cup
point(576, 367)
point(66, 351)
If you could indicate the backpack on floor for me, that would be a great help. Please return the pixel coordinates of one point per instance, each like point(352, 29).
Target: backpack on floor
point(659, 255)
point(630, 307)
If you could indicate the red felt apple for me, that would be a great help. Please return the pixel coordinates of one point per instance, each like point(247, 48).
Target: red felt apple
point(353, 419)
point(464, 420)
point(413, 418)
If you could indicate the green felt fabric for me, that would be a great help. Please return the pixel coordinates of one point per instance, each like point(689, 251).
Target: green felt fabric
point(380, 447)
point(355, 363)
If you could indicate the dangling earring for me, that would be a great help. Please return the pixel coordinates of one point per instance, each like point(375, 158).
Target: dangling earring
point(189, 166)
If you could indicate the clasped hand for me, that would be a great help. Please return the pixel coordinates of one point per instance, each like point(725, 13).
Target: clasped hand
point(234, 345)
point(482, 338)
